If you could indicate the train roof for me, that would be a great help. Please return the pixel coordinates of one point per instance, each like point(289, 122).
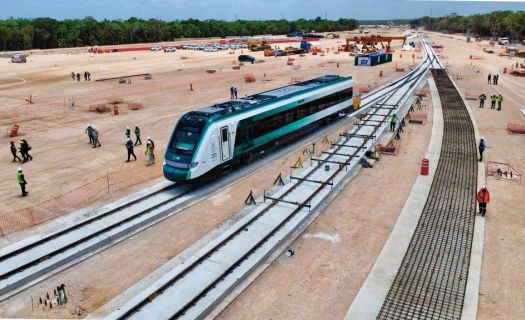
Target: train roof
point(263, 98)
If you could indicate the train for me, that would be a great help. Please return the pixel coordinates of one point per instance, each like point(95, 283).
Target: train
point(216, 138)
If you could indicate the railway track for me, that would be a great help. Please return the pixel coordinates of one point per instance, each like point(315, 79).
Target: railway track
point(432, 278)
point(194, 287)
point(34, 259)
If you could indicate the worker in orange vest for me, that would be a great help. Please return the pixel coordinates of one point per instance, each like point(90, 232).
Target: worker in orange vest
point(483, 197)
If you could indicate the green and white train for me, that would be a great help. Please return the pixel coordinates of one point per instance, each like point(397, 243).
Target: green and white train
point(217, 137)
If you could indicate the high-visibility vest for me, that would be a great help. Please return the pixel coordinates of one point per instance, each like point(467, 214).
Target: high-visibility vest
point(20, 177)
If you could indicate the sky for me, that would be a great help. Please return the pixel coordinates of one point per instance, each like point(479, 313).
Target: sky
point(247, 10)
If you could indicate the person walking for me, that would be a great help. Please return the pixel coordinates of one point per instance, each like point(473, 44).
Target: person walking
point(24, 150)
point(13, 152)
point(482, 146)
point(152, 147)
point(489, 78)
point(500, 100)
point(78, 76)
point(232, 95)
point(95, 135)
point(85, 76)
point(137, 135)
point(88, 75)
point(21, 181)
point(89, 131)
point(482, 99)
point(483, 198)
point(129, 146)
point(73, 75)
point(393, 121)
point(495, 79)
point(149, 153)
point(235, 92)
point(493, 99)
point(128, 133)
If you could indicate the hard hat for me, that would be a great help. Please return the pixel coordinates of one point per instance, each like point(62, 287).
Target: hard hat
point(128, 139)
point(149, 138)
point(19, 169)
point(127, 127)
point(482, 138)
point(136, 125)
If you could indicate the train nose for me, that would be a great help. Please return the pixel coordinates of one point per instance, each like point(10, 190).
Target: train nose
point(175, 174)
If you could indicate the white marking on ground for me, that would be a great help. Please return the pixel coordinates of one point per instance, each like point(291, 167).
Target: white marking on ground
point(333, 238)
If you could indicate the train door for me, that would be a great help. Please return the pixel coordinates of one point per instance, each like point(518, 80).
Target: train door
point(225, 143)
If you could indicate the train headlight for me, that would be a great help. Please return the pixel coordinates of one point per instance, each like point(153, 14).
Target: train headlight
point(193, 164)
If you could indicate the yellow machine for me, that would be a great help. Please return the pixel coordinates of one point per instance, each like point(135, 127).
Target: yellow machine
point(357, 102)
point(258, 45)
point(268, 52)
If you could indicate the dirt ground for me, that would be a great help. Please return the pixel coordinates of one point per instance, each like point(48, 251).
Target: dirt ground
point(97, 280)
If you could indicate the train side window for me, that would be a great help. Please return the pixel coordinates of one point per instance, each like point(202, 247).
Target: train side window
point(224, 133)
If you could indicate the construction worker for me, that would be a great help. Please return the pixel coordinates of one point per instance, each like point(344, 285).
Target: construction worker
point(24, 150)
point(152, 147)
point(129, 147)
point(89, 131)
point(88, 75)
point(78, 76)
point(489, 78)
point(191, 87)
point(495, 79)
point(85, 76)
point(149, 153)
point(393, 121)
point(137, 135)
point(482, 99)
point(73, 75)
point(235, 92)
point(483, 197)
point(482, 146)
point(95, 135)
point(232, 95)
point(500, 100)
point(493, 99)
point(128, 133)
point(13, 152)
point(21, 181)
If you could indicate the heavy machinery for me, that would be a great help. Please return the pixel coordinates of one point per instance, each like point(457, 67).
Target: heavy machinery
point(258, 45)
point(369, 42)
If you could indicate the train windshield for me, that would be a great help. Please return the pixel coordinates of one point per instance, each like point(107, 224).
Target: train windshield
point(185, 140)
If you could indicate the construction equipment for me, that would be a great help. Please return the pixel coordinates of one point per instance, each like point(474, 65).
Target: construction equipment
point(332, 36)
point(371, 41)
point(258, 45)
point(269, 52)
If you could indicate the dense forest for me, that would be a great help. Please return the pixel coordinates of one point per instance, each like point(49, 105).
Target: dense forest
point(495, 24)
point(45, 33)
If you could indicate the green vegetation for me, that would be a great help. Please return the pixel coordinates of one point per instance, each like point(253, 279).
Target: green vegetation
point(45, 33)
point(495, 24)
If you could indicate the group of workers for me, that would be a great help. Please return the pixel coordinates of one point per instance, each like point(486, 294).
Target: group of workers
point(24, 151)
point(76, 76)
point(130, 146)
point(493, 100)
point(93, 135)
point(493, 78)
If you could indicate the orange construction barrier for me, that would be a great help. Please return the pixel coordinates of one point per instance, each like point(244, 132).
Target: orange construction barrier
point(380, 73)
point(425, 163)
point(14, 131)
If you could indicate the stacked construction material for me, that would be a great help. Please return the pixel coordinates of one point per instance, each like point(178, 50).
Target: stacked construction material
point(373, 59)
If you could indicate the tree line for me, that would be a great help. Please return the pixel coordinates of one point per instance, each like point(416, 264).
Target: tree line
point(495, 24)
point(47, 33)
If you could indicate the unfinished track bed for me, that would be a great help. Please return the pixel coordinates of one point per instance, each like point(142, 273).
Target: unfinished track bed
point(432, 279)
